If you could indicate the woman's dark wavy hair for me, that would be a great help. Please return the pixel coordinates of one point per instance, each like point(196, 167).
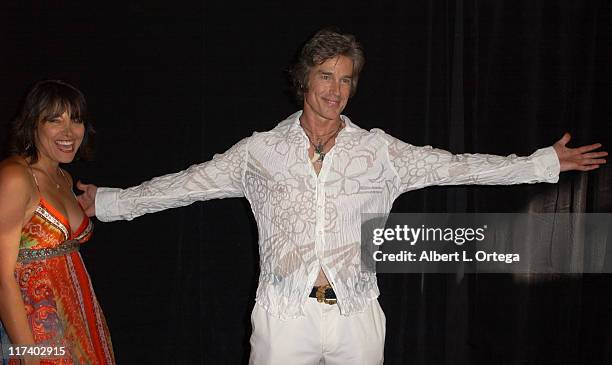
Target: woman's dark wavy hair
point(46, 100)
point(324, 45)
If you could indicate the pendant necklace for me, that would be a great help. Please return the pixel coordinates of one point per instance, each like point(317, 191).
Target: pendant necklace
point(319, 153)
point(57, 185)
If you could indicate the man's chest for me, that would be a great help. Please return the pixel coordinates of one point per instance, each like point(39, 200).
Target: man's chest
point(291, 178)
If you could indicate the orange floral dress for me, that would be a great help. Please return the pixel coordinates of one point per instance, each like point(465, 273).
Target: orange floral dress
point(60, 303)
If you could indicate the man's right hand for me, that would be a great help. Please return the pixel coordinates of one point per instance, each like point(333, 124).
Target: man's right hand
point(88, 198)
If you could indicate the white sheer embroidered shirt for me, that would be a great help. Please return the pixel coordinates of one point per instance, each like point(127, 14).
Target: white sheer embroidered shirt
point(307, 221)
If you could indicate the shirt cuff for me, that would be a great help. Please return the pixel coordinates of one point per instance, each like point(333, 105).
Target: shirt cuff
point(106, 204)
point(546, 164)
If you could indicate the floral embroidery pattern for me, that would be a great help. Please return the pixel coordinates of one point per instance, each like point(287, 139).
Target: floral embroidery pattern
point(307, 221)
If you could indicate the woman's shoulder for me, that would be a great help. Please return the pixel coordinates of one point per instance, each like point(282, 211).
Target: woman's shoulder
point(15, 175)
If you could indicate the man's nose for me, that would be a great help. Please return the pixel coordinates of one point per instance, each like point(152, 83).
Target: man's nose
point(335, 87)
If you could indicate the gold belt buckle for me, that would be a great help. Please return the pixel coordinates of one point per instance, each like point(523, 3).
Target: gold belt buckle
point(321, 295)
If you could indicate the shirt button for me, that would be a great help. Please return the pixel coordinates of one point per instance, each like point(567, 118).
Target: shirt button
point(321, 232)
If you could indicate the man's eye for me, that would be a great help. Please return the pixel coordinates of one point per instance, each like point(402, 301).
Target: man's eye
point(325, 77)
point(346, 81)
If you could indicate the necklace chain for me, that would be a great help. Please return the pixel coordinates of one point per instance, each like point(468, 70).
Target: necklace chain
point(57, 185)
point(319, 155)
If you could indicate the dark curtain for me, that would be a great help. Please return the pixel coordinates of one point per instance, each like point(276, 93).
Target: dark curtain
point(513, 76)
point(170, 84)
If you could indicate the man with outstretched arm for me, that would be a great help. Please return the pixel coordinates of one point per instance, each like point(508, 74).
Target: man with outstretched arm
point(308, 180)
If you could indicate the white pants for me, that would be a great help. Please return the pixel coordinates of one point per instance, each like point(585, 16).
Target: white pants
point(323, 336)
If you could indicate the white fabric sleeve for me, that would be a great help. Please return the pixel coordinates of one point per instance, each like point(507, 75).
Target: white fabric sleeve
point(418, 167)
point(221, 177)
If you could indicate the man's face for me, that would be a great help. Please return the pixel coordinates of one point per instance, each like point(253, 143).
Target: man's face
point(329, 87)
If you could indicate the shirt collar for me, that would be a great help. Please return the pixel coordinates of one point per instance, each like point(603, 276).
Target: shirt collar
point(295, 129)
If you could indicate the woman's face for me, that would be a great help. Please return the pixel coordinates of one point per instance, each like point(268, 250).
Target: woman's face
point(59, 138)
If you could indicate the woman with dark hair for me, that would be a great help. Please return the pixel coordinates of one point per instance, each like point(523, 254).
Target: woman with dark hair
point(47, 301)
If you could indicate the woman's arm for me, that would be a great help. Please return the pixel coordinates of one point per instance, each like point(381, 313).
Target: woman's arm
point(15, 199)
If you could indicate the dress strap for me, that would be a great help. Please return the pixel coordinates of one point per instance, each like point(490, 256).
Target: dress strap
point(33, 175)
point(68, 181)
point(64, 175)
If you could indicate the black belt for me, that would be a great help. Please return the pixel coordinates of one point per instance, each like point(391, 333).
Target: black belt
point(324, 294)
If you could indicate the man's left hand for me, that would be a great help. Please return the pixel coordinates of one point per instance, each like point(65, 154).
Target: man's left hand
point(579, 158)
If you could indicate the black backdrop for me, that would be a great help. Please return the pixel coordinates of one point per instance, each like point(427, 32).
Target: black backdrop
point(171, 83)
